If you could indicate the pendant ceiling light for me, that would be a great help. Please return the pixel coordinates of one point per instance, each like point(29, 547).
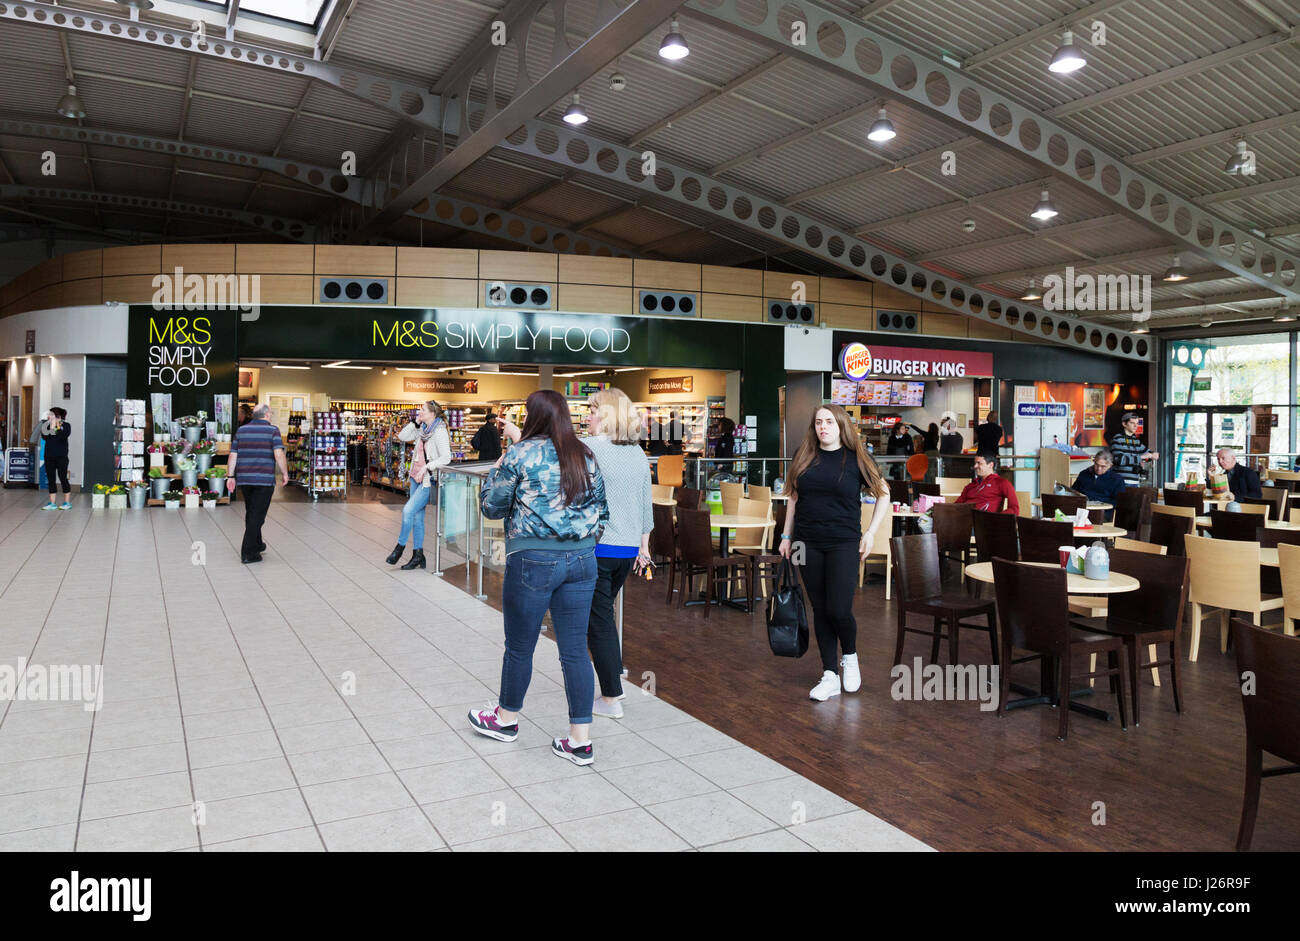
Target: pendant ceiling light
point(1044, 209)
point(1284, 315)
point(71, 105)
point(1031, 293)
point(1067, 57)
point(1175, 272)
point(575, 114)
point(882, 129)
point(1238, 162)
point(674, 45)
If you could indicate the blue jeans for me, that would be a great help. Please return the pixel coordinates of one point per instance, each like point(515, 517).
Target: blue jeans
point(413, 516)
point(563, 581)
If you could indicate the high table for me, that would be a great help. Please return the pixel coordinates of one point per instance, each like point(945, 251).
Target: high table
point(1092, 504)
point(1075, 585)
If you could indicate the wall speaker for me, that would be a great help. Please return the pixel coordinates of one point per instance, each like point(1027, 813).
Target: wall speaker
point(783, 312)
point(664, 303)
point(522, 296)
point(354, 290)
point(898, 321)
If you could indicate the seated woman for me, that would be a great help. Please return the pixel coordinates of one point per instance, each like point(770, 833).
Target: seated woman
point(1101, 482)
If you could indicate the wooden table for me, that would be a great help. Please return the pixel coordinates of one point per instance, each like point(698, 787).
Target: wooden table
point(725, 523)
point(1038, 501)
point(1203, 522)
point(1268, 558)
point(780, 496)
point(1100, 530)
point(665, 502)
point(1075, 584)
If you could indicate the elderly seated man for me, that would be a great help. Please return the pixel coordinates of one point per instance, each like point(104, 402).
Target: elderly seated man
point(1101, 482)
point(1242, 481)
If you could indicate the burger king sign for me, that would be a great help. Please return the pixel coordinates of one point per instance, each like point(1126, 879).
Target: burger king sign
point(855, 361)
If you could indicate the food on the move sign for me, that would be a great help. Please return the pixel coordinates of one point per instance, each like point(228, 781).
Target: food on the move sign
point(857, 361)
point(672, 384)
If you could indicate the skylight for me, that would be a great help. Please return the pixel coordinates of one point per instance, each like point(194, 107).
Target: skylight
point(303, 12)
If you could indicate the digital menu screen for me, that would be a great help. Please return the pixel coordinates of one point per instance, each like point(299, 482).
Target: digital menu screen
point(875, 392)
point(907, 394)
point(844, 392)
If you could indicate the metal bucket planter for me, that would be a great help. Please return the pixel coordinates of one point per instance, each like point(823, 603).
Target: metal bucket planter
point(204, 462)
point(193, 435)
point(158, 486)
point(217, 485)
point(137, 496)
point(190, 478)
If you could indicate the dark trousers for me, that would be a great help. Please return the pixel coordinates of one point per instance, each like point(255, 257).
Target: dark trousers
point(257, 500)
point(830, 577)
point(602, 627)
point(57, 465)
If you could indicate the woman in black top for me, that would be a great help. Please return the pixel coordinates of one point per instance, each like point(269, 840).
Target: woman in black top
point(931, 436)
point(900, 442)
point(55, 431)
point(824, 518)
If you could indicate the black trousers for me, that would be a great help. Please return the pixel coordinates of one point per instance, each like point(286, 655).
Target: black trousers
point(602, 628)
point(57, 465)
point(830, 577)
point(257, 500)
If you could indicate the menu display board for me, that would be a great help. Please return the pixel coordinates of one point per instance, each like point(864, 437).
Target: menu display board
point(908, 394)
point(875, 392)
point(844, 392)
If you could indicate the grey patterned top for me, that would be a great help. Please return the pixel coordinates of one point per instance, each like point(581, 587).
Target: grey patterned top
point(627, 488)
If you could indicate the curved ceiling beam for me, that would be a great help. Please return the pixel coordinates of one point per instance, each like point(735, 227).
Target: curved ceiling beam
point(441, 210)
point(724, 201)
point(293, 229)
point(748, 210)
point(852, 48)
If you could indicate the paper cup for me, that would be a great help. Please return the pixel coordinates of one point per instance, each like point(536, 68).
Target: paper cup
point(1065, 552)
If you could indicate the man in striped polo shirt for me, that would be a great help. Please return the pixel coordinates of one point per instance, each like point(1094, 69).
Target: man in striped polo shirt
point(257, 451)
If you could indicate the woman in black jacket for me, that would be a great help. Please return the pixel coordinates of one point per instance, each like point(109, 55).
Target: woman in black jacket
point(900, 443)
point(55, 431)
point(931, 436)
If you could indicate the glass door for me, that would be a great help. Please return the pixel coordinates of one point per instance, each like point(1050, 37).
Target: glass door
point(1197, 433)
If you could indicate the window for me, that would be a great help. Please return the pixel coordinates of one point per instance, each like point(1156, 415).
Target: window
point(303, 12)
point(1230, 371)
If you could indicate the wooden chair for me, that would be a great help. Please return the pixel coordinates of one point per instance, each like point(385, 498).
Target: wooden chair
point(661, 492)
point(1293, 515)
point(1169, 524)
point(1276, 497)
point(1041, 540)
point(1225, 575)
point(995, 535)
point(1192, 498)
point(1288, 571)
point(689, 498)
point(917, 466)
point(1137, 545)
point(898, 491)
point(1069, 504)
point(1026, 502)
point(953, 525)
point(669, 469)
point(1240, 527)
point(1151, 615)
point(951, 484)
point(878, 554)
point(920, 487)
point(1133, 510)
point(916, 562)
point(1034, 617)
point(696, 545)
point(1272, 712)
point(732, 494)
point(1256, 509)
point(663, 542)
point(762, 494)
point(754, 541)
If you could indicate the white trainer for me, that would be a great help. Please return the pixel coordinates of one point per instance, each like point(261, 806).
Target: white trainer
point(828, 687)
point(852, 678)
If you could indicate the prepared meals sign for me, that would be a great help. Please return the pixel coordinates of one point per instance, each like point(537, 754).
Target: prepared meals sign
point(857, 361)
point(458, 386)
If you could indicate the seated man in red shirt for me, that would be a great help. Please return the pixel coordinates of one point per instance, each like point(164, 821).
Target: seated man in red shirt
point(988, 491)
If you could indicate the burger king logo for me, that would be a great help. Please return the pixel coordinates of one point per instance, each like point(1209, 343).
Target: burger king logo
point(855, 361)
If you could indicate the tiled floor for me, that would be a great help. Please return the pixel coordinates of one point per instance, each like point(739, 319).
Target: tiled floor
point(317, 701)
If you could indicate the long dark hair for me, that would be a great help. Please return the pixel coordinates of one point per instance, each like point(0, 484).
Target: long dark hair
point(548, 417)
point(850, 447)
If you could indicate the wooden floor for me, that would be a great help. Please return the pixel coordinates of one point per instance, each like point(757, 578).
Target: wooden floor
point(948, 774)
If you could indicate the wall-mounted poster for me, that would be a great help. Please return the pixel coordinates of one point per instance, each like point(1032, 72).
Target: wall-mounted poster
point(1094, 407)
point(162, 412)
point(223, 412)
point(299, 404)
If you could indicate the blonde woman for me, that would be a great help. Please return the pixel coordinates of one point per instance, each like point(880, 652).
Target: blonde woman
point(829, 472)
point(615, 427)
point(432, 450)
